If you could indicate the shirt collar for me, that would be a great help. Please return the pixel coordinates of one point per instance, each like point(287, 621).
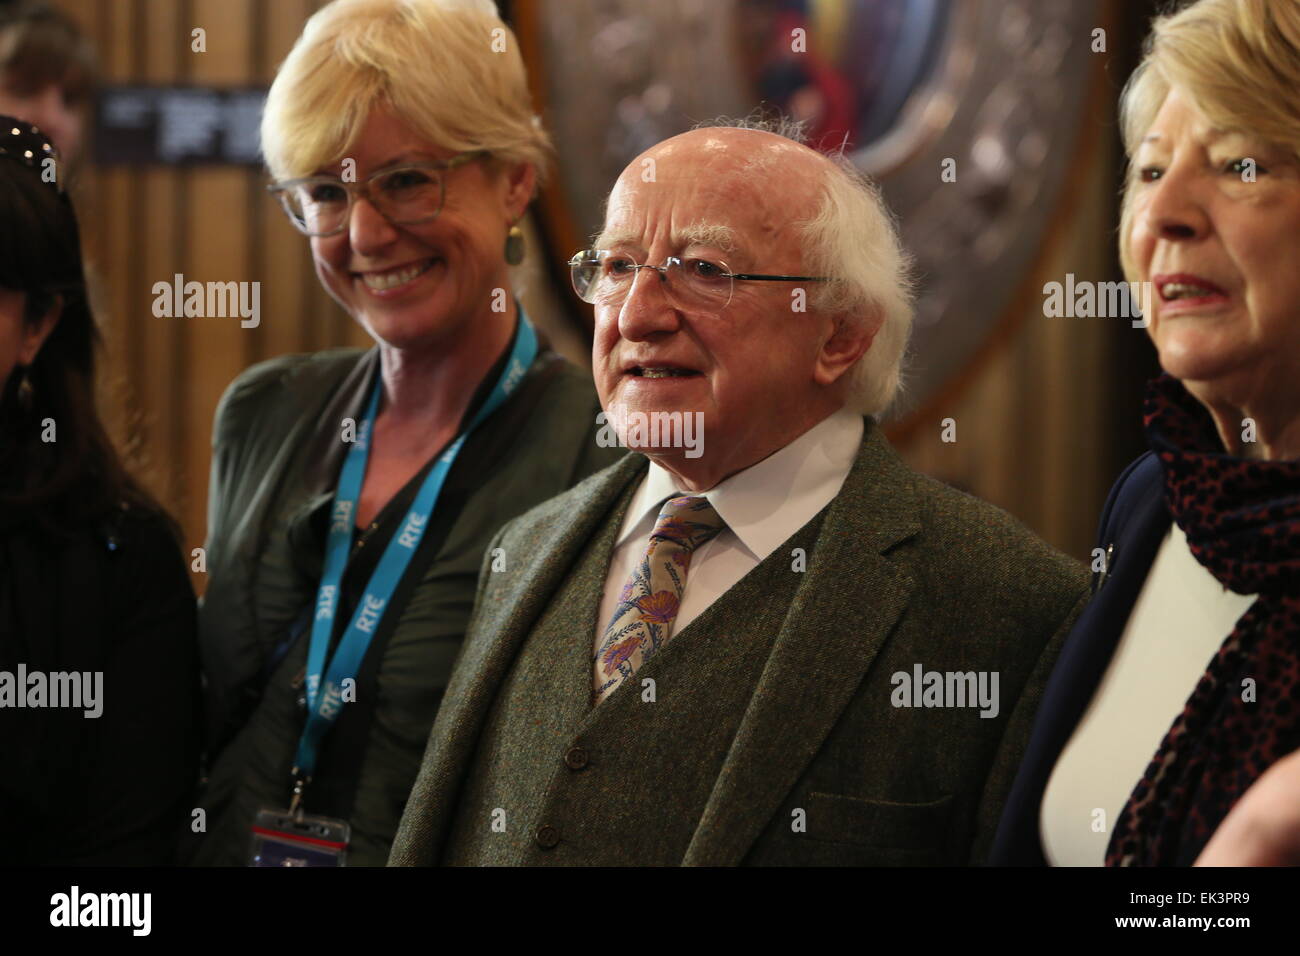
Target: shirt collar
point(766, 503)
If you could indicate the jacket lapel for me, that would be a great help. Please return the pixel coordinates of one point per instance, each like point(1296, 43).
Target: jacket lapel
point(1136, 528)
point(842, 614)
point(509, 602)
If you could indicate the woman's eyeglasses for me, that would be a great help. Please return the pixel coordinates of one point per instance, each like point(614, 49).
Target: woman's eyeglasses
point(404, 195)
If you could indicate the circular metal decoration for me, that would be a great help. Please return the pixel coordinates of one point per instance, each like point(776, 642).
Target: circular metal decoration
point(966, 112)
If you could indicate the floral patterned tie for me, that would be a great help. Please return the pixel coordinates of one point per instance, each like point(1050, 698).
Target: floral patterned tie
point(648, 603)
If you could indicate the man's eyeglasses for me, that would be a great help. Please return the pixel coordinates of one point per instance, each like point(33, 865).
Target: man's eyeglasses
point(602, 277)
point(404, 195)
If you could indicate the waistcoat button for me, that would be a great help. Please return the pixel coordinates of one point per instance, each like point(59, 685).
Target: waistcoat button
point(547, 836)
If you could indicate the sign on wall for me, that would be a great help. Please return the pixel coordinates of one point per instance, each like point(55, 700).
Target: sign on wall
point(178, 125)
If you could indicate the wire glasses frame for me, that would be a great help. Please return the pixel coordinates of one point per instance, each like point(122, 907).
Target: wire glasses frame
point(601, 277)
point(402, 202)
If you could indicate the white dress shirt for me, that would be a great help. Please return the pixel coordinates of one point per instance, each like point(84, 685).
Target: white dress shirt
point(762, 507)
point(1178, 623)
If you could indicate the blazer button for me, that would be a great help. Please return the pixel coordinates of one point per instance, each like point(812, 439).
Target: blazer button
point(547, 836)
point(1104, 574)
point(576, 758)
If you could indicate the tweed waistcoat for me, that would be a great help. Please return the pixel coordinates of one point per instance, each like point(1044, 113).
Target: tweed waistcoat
point(555, 781)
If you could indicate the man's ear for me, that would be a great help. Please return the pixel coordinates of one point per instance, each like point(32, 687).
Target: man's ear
point(34, 335)
point(850, 337)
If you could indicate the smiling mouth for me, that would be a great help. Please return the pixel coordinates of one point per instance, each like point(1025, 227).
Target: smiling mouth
point(392, 278)
point(1182, 290)
point(1188, 287)
point(649, 371)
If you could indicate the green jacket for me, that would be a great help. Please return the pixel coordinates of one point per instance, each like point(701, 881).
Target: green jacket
point(276, 459)
point(771, 731)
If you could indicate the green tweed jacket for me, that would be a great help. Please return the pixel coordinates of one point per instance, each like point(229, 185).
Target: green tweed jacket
point(784, 729)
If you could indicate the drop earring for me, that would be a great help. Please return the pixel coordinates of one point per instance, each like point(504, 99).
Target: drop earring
point(25, 390)
point(515, 246)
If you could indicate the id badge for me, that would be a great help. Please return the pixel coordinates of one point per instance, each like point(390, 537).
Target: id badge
point(281, 838)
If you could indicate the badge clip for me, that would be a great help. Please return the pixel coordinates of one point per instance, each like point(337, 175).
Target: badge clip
point(299, 785)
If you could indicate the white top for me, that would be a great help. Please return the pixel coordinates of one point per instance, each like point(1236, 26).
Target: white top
point(762, 506)
point(1179, 622)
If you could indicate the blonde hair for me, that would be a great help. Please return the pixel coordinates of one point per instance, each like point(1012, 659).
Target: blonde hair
point(449, 69)
point(1238, 61)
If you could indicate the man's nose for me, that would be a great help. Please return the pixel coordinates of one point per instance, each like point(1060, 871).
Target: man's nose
point(648, 308)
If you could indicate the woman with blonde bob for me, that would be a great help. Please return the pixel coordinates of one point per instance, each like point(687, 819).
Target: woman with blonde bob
point(354, 494)
point(1168, 733)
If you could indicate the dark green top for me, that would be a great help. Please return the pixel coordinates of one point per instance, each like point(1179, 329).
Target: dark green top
point(276, 458)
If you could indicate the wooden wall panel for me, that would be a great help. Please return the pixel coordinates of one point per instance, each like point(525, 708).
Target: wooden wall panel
point(215, 249)
point(282, 253)
point(162, 377)
point(159, 343)
point(107, 203)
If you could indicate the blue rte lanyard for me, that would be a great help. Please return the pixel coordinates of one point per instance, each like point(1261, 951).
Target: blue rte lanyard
point(324, 704)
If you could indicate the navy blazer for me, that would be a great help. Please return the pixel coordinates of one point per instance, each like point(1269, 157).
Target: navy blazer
point(1133, 524)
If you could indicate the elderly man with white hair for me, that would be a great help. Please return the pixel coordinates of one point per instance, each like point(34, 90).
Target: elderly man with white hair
point(781, 645)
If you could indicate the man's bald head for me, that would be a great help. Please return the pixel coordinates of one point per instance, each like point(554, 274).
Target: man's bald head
point(749, 149)
point(757, 168)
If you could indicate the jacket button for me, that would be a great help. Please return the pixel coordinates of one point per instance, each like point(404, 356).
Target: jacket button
point(547, 836)
point(576, 758)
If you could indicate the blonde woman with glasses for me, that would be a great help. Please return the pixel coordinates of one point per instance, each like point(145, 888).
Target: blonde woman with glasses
point(354, 493)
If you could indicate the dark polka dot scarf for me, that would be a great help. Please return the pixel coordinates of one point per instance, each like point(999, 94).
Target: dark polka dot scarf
point(1242, 521)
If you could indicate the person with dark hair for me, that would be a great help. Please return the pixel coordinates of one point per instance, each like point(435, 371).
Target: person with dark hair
point(47, 72)
point(99, 690)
